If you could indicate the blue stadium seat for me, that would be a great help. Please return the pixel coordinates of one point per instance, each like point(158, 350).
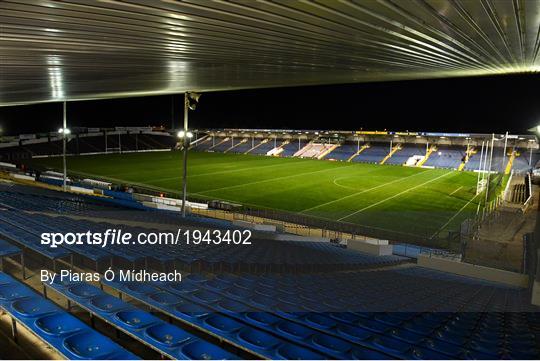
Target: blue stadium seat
point(63, 332)
point(163, 337)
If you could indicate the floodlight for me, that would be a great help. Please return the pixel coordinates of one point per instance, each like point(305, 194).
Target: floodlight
point(181, 134)
point(189, 135)
point(64, 131)
point(193, 100)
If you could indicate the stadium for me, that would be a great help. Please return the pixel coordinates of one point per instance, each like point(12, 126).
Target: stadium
point(213, 237)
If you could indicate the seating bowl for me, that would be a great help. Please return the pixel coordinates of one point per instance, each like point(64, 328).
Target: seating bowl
point(107, 303)
point(60, 324)
point(135, 319)
point(167, 335)
point(33, 307)
point(83, 290)
point(89, 345)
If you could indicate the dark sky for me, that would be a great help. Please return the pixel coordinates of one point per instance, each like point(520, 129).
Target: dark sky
point(479, 104)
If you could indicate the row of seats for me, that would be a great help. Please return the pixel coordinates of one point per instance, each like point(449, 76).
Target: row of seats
point(401, 156)
point(343, 152)
point(258, 342)
point(449, 157)
point(374, 154)
point(292, 147)
point(8, 250)
point(69, 336)
point(290, 255)
point(425, 333)
point(446, 157)
point(165, 338)
point(45, 200)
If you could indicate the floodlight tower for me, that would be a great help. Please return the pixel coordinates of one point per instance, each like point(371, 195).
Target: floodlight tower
point(190, 103)
point(64, 131)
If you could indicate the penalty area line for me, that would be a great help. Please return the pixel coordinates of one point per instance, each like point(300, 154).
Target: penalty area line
point(453, 217)
point(394, 196)
point(455, 191)
point(360, 192)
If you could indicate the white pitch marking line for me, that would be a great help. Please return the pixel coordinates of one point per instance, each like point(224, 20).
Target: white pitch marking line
point(394, 196)
point(358, 193)
point(159, 180)
point(274, 179)
point(454, 216)
point(455, 191)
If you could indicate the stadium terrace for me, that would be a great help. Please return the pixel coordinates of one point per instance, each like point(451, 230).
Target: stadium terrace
point(415, 235)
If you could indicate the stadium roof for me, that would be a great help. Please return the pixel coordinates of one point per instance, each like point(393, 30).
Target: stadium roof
point(84, 49)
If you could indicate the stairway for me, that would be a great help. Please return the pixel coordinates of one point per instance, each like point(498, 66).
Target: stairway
point(394, 149)
point(510, 163)
point(365, 146)
point(235, 145)
point(328, 151)
point(277, 150)
point(468, 154)
point(223, 141)
point(426, 157)
point(257, 146)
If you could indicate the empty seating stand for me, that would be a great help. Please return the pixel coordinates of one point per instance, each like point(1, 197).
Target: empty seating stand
point(8, 250)
point(308, 311)
point(374, 154)
point(343, 152)
point(521, 162)
point(222, 325)
point(263, 148)
point(446, 157)
point(292, 147)
point(63, 332)
point(165, 338)
point(407, 150)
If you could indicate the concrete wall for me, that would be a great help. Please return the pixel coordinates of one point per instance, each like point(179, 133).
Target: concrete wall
point(293, 237)
point(255, 226)
point(470, 270)
point(535, 297)
point(375, 247)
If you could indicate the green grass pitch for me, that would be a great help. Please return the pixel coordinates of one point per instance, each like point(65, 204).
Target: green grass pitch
point(415, 201)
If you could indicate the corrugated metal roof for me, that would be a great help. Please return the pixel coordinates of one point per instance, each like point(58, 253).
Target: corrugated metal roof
point(55, 50)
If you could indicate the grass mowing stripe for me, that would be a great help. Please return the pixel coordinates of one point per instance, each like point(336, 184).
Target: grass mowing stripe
point(224, 172)
point(394, 196)
point(274, 179)
point(454, 216)
point(358, 193)
point(269, 183)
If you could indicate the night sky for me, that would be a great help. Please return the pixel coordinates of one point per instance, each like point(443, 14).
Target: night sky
point(477, 104)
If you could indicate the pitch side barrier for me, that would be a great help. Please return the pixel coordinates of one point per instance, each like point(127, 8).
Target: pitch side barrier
point(316, 227)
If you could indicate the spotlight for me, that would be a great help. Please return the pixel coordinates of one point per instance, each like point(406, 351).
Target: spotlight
point(193, 100)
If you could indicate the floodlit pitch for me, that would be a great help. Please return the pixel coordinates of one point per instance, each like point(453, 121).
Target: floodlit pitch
point(415, 201)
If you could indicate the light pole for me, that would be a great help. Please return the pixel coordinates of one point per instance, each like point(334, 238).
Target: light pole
point(489, 168)
point(190, 102)
point(65, 132)
point(185, 137)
